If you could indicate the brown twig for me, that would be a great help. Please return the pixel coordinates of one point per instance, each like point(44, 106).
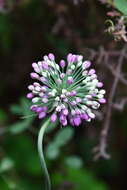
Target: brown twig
point(120, 106)
point(100, 150)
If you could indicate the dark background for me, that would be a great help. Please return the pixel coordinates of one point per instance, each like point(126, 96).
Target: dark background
point(29, 29)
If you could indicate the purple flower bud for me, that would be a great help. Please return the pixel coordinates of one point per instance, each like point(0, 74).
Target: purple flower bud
point(51, 56)
point(102, 100)
point(39, 109)
point(64, 123)
point(73, 103)
point(62, 63)
point(44, 88)
point(78, 100)
point(91, 72)
point(41, 115)
point(38, 88)
point(34, 65)
point(70, 80)
point(72, 121)
point(86, 64)
point(45, 57)
point(34, 108)
point(65, 112)
point(68, 94)
point(77, 111)
point(77, 120)
point(31, 87)
point(44, 100)
point(45, 65)
point(94, 76)
point(29, 95)
point(84, 116)
point(69, 71)
point(73, 93)
point(62, 117)
point(36, 68)
point(34, 75)
point(53, 117)
point(100, 84)
point(43, 79)
point(65, 99)
point(69, 57)
point(36, 84)
point(72, 59)
point(35, 100)
point(62, 75)
point(41, 94)
point(45, 108)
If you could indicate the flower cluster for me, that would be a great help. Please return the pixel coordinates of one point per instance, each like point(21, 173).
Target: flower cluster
point(68, 91)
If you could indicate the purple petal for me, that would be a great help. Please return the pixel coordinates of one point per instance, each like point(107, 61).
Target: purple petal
point(30, 95)
point(77, 120)
point(102, 100)
point(41, 115)
point(51, 56)
point(53, 117)
point(62, 63)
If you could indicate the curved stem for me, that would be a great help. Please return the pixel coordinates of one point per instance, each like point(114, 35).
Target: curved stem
point(41, 155)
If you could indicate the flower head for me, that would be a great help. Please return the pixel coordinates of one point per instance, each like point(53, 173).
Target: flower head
point(68, 91)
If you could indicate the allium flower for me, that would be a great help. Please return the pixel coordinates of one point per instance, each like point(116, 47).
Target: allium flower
point(68, 91)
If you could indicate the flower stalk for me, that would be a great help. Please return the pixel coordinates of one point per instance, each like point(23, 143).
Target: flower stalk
point(41, 155)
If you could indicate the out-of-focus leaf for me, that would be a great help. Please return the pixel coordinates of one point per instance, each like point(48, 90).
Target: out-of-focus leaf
point(19, 127)
point(3, 116)
point(79, 180)
point(3, 184)
point(8, 183)
point(6, 164)
point(121, 5)
point(20, 148)
point(63, 136)
point(74, 162)
point(16, 109)
point(52, 151)
point(5, 32)
point(23, 108)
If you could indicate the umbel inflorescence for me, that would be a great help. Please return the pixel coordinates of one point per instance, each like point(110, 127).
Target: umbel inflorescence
point(68, 91)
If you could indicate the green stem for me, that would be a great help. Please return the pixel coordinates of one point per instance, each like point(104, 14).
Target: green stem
point(41, 155)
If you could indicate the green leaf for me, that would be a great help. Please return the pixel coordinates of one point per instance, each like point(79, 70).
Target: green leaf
point(21, 150)
point(23, 108)
point(61, 139)
point(79, 179)
point(19, 127)
point(52, 151)
point(63, 136)
point(3, 116)
point(6, 164)
point(121, 5)
point(74, 162)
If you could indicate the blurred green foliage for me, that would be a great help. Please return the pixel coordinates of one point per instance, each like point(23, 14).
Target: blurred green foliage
point(22, 161)
point(121, 5)
point(6, 31)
